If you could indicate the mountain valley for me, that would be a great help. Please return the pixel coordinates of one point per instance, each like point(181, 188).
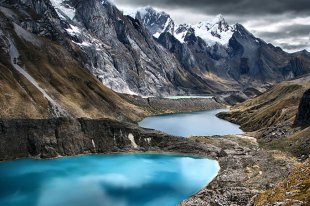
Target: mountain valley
point(76, 77)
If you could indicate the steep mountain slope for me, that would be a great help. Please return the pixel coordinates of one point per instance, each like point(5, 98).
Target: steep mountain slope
point(115, 48)
point(40, 79)
point(123, 55)
point(230, 54)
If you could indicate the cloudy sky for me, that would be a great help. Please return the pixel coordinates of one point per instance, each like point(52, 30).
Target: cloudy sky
point(284, 23)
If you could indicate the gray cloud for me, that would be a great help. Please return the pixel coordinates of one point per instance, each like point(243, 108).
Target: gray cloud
point(244, 7)
point(289, 31)
point(284, 23)
point(297, 47)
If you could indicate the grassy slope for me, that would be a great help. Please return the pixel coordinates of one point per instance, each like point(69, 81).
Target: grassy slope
point(266, 115)
point(277, 105)
point(272, 110)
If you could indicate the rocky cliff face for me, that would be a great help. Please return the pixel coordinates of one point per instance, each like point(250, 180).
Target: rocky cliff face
point(303, 115)
point(51, 138)
point(121, 53)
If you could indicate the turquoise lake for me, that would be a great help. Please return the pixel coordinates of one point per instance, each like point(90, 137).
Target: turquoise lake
point(203, 123)
point(104, 180)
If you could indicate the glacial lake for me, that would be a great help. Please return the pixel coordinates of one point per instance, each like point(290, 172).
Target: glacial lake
point(203, 123)
point(104, 180)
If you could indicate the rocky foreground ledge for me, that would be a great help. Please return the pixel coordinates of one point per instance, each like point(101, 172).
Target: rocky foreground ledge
point(245, 168)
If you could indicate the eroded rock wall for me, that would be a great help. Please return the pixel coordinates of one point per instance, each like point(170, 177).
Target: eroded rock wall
point(49, 138)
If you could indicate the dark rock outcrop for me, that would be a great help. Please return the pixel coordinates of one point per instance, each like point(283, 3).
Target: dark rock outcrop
point(49, 138)
point(303, 115)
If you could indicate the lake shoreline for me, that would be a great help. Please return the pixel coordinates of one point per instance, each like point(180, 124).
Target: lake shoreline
point(66, 137)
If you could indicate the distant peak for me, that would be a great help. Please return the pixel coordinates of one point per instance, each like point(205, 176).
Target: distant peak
point(218, 20)
point(184, 26)
point(144, 11)
point(151, 10)
point(109, 2)
point(148, 8)
point(220, 17)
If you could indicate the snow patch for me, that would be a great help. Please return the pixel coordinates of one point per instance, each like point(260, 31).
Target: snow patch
point(83, 44)
point(93, 143)
point(63, 9)
point(149, 140)
point(73, 30)
point(157, 35)
point(181, 31)
point(132, 139)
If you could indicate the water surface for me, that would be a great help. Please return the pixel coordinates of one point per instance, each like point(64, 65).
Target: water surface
point(204, 123)
point(189, 97)
point(104, 180)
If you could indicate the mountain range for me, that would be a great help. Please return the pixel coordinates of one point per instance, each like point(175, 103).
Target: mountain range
point(227, 54)
point(143, 53)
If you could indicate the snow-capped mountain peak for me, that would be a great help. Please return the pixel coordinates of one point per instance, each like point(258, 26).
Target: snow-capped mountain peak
point(181, 32)
point(217, 23)
point(216, 30)
point(212, 31)
point(156, 22)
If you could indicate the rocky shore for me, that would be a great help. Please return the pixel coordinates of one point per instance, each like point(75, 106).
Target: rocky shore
point(246, 170)
point(160, 105)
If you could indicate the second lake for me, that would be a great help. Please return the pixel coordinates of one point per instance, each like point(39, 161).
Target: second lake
point(203, 123)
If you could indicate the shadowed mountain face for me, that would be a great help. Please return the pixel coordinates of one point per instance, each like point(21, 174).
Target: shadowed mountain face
point(303, 115)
